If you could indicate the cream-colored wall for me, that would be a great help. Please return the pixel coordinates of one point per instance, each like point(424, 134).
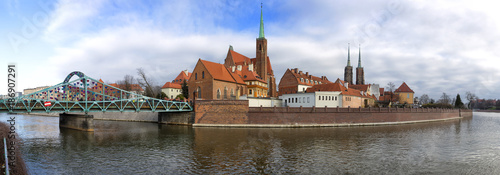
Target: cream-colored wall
point(171, 92)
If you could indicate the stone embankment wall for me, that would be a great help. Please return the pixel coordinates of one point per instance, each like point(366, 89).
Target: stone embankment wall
point(238, 114)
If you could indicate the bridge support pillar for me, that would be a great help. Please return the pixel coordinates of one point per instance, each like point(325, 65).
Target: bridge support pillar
point(82, 122)
point(176, 118)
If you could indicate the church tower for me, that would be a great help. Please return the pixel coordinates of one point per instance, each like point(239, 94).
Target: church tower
point(348, 68)
point(261, 51)
point(360, 74)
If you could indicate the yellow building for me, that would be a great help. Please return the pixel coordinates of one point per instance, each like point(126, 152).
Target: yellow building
point(405, 94)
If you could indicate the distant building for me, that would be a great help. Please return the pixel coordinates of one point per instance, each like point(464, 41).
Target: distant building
point(336, 94)
point(295, 81)
point(360, 73)
point(32, 90)
point(174, 88)
point(405, 94)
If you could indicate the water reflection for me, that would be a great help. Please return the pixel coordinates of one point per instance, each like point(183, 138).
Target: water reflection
point(456, 146)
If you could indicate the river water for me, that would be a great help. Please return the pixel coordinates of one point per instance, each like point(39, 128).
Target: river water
point(466, 146)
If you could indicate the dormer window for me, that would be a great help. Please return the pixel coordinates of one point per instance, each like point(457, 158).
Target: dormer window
point(301, 80)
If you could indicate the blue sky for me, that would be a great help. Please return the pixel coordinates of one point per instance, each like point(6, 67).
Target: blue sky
point(435, 47)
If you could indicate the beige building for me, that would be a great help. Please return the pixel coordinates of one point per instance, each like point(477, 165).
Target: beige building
point(32, 90)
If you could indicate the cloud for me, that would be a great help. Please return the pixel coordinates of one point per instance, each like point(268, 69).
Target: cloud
point(435, 47)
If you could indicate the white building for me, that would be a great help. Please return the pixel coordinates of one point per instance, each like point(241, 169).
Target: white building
point(318, 99)
point(171, 90)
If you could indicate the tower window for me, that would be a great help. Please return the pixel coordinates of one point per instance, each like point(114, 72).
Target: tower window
point(260, 47)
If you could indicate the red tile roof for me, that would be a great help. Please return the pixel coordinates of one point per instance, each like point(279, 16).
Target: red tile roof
point(404, 88)
point(172, 85)
point(306, 76)
point(361, 87)
point(220, 72)
point(238, 58)
point(337, 86)
point(181, 77)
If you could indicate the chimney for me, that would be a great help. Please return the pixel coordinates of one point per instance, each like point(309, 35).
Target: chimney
point(233, 68)
point(300, 72)
point(307, 74)
point(296, 70)
point(250, 67)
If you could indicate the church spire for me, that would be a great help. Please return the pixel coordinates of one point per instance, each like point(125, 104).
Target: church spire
point(348, 54)
point(359, 61)
point(261, 31)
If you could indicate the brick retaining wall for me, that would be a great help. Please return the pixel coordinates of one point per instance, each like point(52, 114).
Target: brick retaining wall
point(237, 113)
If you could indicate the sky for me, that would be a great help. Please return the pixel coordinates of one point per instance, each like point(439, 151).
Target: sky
point(436, 47)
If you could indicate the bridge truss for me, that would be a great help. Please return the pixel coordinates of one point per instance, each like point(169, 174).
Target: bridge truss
point(85, 95)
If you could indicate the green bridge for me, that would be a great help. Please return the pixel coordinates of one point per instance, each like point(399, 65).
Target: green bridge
point(85, 95)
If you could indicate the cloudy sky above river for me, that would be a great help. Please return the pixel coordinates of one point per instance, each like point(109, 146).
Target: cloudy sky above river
point(435, 47)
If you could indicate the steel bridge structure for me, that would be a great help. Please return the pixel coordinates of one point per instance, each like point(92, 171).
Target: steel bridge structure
point(86, 94)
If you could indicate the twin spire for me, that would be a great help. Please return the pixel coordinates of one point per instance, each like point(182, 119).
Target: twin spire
point(349, 55)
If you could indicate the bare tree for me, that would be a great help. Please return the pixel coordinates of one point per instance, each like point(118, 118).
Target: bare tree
point(147, 83)
point(424, 99)
point(391, 88)
point(126, 83)
point(445, 99)
point(471, 98)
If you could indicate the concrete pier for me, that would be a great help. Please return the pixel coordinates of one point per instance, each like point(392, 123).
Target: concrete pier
point(176, 118)
point(82, 122)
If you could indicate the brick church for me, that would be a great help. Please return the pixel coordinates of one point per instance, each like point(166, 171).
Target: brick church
point(239, 75)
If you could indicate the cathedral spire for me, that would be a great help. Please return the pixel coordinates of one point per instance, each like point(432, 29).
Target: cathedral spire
point(261, 31)
point(348, 54)
point(359, 61)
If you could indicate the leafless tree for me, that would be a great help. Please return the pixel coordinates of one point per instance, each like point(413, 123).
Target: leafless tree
point(424, 99)
point(391, 88)
point(471, 97)
point(126, 83)
point(445, 99)
point(147, 83)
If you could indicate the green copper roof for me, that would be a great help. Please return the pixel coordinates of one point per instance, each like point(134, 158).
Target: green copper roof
point(348, 55)
point(261, 31)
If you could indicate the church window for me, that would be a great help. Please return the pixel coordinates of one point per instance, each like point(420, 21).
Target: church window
point(203, 74)
point(199, 92)
point(218, 94)
point(225, 92)
point(195, 76)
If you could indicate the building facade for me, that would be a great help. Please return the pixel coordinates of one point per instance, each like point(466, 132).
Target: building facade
point(405, 94)
point(213, 81)
point(296, 81)
point(174, 88)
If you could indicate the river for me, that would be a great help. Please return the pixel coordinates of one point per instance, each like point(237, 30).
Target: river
point(465, 146)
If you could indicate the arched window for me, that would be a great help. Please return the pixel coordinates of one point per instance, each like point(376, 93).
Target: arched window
point(203, 74)
point(232, 92)
point(304, 99)
point(218, 94)
point(300, 101)
point(195, 76)
point(225, 92)
point(199, 91)
point(308, 100)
